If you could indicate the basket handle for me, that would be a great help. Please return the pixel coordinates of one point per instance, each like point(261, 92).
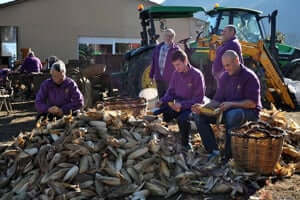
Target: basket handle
point(265, 131)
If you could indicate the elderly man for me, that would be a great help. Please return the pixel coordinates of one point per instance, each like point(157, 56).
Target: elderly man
point(58, 95)
point(31, 64)
point(230, 42)
point(162, 69)
point(238, 97)
point(186, 88)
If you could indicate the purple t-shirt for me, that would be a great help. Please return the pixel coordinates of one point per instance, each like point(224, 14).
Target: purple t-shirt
point(31, 64)
point(241, 86)
point(232, 44)
point(169, 68)
point(187, 88)
point(66, 96)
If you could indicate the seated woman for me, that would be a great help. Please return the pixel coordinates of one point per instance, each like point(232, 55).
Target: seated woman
point(58, 95)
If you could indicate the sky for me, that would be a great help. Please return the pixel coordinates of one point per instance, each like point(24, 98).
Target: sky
point(157, 1)
point(4, 1)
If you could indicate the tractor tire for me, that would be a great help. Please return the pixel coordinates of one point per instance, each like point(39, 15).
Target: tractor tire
point(138, 73)
point(260, 72)
point(294, 74)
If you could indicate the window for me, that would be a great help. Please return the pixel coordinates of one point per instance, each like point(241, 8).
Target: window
point(92, 46)
point(122, 48)
point(223, 22)
point(212, 22)
point(8, 39)
point(247, 27)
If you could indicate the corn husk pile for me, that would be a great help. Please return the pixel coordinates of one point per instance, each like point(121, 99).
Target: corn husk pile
point(290, 159)
point(109, 155)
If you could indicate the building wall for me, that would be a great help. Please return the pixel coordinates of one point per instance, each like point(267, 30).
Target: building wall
point(53, 27)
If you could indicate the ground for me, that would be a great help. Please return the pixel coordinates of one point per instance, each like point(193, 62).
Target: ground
point(24, 120)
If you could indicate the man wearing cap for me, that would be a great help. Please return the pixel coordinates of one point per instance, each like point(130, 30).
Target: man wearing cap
point(238, 96)
point(229, 42)
point(186, 88)
point(162, 68)
point(58, 95)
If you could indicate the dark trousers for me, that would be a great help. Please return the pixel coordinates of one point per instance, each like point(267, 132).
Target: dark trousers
point(182, 120)
point(162, 88)
point(232, 118)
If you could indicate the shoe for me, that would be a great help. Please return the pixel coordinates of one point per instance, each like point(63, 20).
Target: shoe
point(213, 155)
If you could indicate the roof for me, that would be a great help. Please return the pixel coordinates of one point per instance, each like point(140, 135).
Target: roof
point(11, 3)
point(171, 11)
point(235, 9)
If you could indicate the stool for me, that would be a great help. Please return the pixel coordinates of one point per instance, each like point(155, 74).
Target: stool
point(5, 99)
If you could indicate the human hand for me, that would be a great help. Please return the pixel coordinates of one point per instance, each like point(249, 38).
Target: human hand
point(52, 109)
point(195, 108)
point(176, 107)
point(225, 106)
point(59, 112)
point(158, 104)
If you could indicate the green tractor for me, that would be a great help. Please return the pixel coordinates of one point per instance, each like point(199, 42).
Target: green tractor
point(269, 59)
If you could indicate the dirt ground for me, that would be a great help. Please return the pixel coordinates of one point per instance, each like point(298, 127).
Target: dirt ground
point(23, 119)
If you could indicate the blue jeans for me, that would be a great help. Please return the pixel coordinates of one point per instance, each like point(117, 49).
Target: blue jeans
point(182, 120)
point(232, 118)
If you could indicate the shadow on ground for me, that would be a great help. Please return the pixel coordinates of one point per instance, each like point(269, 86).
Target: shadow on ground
point(23, 119)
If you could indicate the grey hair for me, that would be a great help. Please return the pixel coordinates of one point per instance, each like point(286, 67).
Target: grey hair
point(171, 31)
point(30, 53)
point(231, 27)
point(53, 59)
point(58, 66)
point(231, 54)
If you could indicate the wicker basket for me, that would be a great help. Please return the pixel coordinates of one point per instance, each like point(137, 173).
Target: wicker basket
point(132, 106)
point(257, 147)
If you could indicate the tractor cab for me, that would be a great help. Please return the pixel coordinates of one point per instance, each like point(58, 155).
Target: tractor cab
point(247, 22)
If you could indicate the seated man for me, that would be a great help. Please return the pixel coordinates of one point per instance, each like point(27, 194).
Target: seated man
point(31, 64)
point(238, 97)
point(3, 76)
point(58, 95)
point(186, 88)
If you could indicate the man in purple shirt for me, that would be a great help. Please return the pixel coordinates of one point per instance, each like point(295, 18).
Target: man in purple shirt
point(58, 95)
point(238, 97)
point(230, 42)
point(186, 88)
point(31, 64)
point(162, 68)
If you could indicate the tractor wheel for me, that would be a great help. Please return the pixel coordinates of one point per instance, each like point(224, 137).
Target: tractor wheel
point(138, 73)
point(295, 73)
point(260, 72)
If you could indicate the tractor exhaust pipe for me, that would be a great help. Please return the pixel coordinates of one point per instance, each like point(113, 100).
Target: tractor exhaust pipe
point(273, 34)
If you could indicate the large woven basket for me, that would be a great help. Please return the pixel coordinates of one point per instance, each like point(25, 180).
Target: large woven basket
point(256, 147)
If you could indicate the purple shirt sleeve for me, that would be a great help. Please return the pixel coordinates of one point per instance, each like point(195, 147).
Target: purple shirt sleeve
point(237, 48)
point(199, 88)
point(41, 99)
point(76, 100)
point(220, 93)
point(170, 94)
point(252, 89)
point(40, 66)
